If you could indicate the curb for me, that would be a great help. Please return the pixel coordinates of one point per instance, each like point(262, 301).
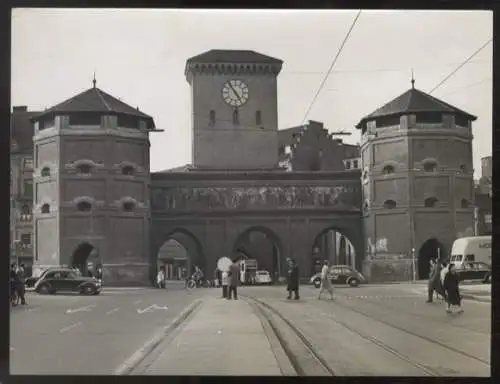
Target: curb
point(486, 299)
point(138, 356)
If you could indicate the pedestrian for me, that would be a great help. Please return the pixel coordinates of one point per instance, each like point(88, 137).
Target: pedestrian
point(451, 286)
point(160, 278)
point(234, 272)
point(224, 283)
point(431, 282)
point(20, 281)
point(438, 287)
point(325, 281)
point(444, 271)
point(293, 280)
point(13, 285)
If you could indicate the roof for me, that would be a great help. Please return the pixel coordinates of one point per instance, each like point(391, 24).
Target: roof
point(233, 56)
point(182, 168)
point(22, 130)
point(414, 101)
point(95, 100)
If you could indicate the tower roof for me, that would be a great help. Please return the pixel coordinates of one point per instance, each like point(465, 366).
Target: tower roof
point(95, 100)
point(233, 56)
point(414, 101)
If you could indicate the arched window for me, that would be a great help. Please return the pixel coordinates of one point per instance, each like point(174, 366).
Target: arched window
point(389, 204)
point(236, 117)
point(464, 203)
point(463, 168)
point(128, 170)
point(388, 169)
point(45, 208)
point(84, 169)
point(258, 118)
point(84, 206)
point(212, 117)
point(128, 206)
point(430, 166)
point(430, 202)
point(45, 172)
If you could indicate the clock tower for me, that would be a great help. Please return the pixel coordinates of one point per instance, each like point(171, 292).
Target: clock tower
point(234, 101)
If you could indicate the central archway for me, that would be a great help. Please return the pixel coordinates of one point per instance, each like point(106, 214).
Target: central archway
point(334, 245)
point(85, 259)
point(261, 244)
point(431, 249)
point(179, 253)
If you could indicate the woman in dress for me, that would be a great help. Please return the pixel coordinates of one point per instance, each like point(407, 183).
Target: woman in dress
point(326, 285)
point(452, 290)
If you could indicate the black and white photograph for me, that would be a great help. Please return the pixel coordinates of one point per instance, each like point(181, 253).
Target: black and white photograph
point(251, 192)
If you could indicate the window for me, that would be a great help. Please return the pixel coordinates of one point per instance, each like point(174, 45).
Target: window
point(258, 118)
point(430, 202)
point(388, 169)
point(128, 206)
point(429, 118)
point(347, 164)
point(389, 204)
point(45, 172)
point(45, 208)
point(51, 275)
point(126, 121)
point(84, 169)
point(461, 121)
point(85, 119)
point(212, 118)
point(46, 124)
point(84, 206)
point(26, 238)
point(26, 209)
point(128, 170)
point(355, 164)
point(236, 117)
point(463, 168)
point(464, 203)
point(28, 188)
point(430, 166)
point(28, 163)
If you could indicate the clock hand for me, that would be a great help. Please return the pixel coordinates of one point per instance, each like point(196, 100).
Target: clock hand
point(236, 93)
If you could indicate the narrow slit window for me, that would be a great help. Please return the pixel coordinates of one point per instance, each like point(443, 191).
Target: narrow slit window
point(236, 117)
point(212, 118)
point(258, 118)
point(430, 202)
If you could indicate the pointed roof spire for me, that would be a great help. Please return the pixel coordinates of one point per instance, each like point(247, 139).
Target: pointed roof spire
point(412, 80)
point(94, 80)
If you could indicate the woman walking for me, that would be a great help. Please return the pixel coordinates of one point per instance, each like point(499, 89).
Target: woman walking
point(325, 281)
point(452, 290)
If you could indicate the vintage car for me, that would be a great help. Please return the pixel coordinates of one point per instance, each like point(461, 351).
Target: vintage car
point(66, 280)
point(474, 271)
point(340, 274)
point(263, 277)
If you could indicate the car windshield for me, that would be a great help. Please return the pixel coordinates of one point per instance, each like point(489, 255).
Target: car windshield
point(71, 275)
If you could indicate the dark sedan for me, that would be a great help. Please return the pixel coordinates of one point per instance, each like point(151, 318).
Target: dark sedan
point(340, 274)
point(474, 271)
point(66, 280)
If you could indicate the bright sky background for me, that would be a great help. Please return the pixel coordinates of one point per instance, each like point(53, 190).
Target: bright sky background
point(139, 57)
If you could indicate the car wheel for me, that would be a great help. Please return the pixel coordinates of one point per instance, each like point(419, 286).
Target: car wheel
point(317, 283)
point(89, 290)
point(353, 282)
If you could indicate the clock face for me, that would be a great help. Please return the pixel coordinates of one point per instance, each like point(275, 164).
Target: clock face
point(235, 93)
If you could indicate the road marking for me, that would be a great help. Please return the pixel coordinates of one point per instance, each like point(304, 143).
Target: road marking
point(137, 302)
point(112, 311)
point(33, 309)
point(152, 308)
point(81, 309)
point(65, 329)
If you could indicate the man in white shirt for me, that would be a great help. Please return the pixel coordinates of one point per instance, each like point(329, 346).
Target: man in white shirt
point(443, 272)
point(325, 281)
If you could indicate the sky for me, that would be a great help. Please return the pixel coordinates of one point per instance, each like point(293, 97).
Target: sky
point(139, 56)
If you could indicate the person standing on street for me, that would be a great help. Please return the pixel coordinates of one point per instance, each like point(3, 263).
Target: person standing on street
point(432, 277)
point(293, 280)
point(160, 278)
point(453, 298)
point(20, 283)
point(443, 273)
point(325, 281)
point(234, 273)
point(224, 283)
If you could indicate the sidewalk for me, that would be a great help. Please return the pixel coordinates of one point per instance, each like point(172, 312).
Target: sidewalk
point(224, 337)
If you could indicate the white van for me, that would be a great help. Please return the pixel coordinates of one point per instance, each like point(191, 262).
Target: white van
point(477, 248)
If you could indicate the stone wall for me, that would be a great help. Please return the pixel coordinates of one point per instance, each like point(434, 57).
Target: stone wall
point(397, 268)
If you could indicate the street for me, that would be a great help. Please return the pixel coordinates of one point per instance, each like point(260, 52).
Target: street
point(369, 330)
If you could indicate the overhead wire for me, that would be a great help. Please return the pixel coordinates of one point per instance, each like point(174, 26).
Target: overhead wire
point(331, 67)
point(461, 65)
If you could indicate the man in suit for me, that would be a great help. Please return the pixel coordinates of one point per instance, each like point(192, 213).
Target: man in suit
point(293, 280)
point(234, 275)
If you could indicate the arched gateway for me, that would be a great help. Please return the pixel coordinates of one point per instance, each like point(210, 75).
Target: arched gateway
point(269, 216)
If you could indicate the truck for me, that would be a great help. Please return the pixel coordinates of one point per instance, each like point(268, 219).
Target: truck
point(469, 249)
point(248, 270)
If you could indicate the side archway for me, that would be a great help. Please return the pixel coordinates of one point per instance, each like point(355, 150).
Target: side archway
point(179, 251)
point(430, 249)
point(85, 258)
point(265, 246)
point(336, 245)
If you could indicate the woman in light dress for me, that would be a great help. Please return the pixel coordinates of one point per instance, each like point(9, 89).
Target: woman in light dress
point(325, 281)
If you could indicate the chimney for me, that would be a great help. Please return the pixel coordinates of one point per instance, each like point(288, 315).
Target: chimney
point(20, 108)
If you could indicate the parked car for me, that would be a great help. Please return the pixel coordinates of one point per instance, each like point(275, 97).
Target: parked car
point(263, 277)
point(66, 280)
point(340, 274)
point(474, 271)
point(30, 282)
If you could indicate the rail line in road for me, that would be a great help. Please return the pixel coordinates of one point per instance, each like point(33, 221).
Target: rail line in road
point(300, 362)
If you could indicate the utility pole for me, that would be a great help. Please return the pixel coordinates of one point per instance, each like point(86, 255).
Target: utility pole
point(413, 265)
